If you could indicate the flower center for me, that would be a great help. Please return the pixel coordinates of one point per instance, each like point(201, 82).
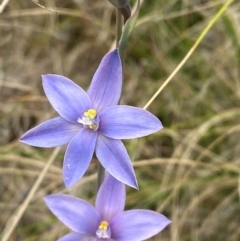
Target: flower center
point(89, 119)
point(104, 230)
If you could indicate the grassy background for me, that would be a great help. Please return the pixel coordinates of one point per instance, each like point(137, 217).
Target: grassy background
point(189, 171)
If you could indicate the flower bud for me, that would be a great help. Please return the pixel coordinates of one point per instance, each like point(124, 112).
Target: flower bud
point(119, 3)
point(126, 12)
point(123, 6)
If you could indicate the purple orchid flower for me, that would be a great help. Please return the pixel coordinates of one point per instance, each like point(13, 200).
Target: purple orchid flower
point(107, 221)
point(92, 121)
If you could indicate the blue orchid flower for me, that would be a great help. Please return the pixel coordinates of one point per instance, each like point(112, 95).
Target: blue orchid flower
point(107, 221)
point(92, 121)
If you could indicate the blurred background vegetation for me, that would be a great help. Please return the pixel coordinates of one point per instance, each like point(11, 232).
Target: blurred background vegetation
point(189, 171)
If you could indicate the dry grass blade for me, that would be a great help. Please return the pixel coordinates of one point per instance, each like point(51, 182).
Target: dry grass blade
point(191, 51)
point(3, 5)
point(16, 216)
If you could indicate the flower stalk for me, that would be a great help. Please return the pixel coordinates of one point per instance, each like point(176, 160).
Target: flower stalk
point(100, 175)
point(118, 27)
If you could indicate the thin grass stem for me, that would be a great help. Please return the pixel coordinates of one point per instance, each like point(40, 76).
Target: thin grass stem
point(199, 40)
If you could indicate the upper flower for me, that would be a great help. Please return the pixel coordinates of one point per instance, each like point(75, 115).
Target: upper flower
point(92, 121)
point(107, 220)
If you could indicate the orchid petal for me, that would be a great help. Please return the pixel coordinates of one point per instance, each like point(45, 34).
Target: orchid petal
point(137, 225)
point(106, 86)
point(51, 133)
point(79, 215)
point(67, 98)
point(114, 158)
point(77, 236)
point(110, 198)
point(126, 122)
point(78, 156)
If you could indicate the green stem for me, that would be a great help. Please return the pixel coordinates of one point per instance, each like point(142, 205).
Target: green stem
point(101, 173)
point(119, 24)
point(118, 27)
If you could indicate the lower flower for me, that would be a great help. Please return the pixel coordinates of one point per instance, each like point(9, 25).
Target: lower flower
point(107, 220)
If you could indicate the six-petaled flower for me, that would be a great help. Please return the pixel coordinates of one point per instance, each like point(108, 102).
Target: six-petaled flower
point(107, 220)
point(92, 121)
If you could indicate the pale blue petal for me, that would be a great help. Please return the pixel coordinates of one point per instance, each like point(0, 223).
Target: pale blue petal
point(114, 158)
point(77, 214)
point(106, 86)
point(77, 237)
point(51, 133)
point(67, 98)
point(78, 156)
point(126, 122)
point(110, 198)
point(137, 225)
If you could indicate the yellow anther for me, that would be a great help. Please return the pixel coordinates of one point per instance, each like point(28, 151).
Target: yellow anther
point(91, 113)
point(103, 225)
